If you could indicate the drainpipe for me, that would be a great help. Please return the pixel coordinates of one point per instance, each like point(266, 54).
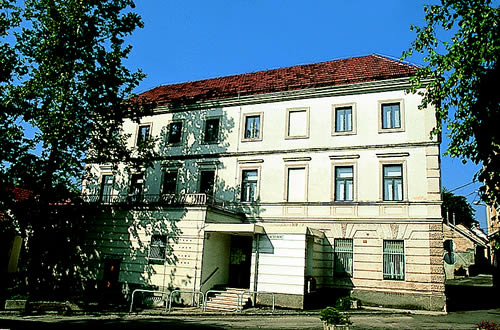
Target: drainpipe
point(256, 266)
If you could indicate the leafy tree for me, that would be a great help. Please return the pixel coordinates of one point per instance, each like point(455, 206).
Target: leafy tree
point(63, 78)
point(458, 207)
point(461, 44)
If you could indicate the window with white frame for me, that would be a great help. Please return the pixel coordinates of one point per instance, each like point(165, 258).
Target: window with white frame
point(175, 132)
point(106, 191)
point(143, 133)
point(296, 184)
point(391, 115)
point(136, 188)
point(249, 181)
point(158, 249)
point(297, 125)
point(344, 184)
point(207, 182)
point(393, 182)
point(394, 260)
point(252, 127)
point(212, 130)
point(343, 119)
point(343, 256)
point(169, 182)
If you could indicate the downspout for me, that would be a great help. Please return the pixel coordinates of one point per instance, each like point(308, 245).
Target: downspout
point(237, 147)
point(256, 264)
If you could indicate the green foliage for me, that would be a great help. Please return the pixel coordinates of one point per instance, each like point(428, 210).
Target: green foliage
point(331, 315)
point(461, 45)
point(64, 96)
point(488, 325)
point(457, 205)
point(344, 303)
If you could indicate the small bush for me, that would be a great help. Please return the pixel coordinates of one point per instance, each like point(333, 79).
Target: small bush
point(344, 303)
point(488, 325)
point(331, 315)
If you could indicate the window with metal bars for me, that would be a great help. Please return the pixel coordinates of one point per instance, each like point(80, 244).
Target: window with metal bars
point(157, 249)
point(343, 256)
point(394, 260)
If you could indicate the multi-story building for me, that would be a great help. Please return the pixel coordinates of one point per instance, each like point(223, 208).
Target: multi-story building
point(295, 180)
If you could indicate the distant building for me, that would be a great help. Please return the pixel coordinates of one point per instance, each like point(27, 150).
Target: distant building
point(467, 251)
point(297, 181)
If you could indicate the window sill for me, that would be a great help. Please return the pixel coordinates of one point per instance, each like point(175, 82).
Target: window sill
point(344, 133)
point(252, 140)
point(296, 137)
point(390, 130)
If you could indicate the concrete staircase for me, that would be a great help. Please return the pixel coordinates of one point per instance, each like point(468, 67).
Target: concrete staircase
point(228, 301)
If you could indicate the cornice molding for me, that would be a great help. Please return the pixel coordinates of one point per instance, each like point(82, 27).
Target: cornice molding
point(304, 150)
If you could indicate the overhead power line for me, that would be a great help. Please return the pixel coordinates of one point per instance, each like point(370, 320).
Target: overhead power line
point(465, 185)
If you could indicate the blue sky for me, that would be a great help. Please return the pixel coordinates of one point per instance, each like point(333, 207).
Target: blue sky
point(192, 40)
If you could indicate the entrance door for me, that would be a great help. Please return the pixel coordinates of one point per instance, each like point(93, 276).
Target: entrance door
point(240, 261)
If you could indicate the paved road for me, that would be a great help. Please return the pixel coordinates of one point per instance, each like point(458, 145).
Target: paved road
point(455, 320)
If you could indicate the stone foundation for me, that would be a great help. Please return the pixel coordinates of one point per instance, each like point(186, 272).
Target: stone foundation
point(401, 300)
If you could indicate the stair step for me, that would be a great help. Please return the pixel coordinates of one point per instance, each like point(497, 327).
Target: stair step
point(229, 300)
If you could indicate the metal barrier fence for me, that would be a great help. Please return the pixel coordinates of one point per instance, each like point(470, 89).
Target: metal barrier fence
point(149, 291)
point(238, 296)
point(193, 292)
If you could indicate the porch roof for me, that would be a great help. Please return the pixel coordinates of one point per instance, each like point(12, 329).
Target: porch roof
point(236, 228)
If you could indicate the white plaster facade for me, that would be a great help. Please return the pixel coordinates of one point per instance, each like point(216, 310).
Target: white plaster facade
point(295, 218)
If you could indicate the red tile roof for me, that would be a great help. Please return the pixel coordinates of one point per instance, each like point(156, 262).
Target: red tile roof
point(332, 73)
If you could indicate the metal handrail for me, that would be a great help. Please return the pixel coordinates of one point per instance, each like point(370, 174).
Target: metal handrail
point(238, 295)
point(143, 290)
point(209, 277)
point(194, 292)
point(256, 294)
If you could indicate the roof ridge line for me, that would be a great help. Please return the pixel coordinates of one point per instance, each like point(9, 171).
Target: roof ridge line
point(395, 59)
point(267, 70)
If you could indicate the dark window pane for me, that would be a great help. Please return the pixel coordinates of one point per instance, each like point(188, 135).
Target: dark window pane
point(343, 119)
point(136, 187)
point(252, 127)
point(343, 250)
point(391, 115)
point(344, 183)
point(249, 185)
point(158, 249)
point(394, 260)
point(207, 181)
point(212, 130)
point(174, 132)
point(393, 183)
point(143, 133)
point(106, 188)
point(169, 182)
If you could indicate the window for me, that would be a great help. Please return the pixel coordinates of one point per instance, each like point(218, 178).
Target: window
point(391, 115)
point(136, 188)
point(343, 119)
point(106, 188)
point(344, 183)
point(343, 248)
point(296, 184)
point(252, 127)
point(297, 124)
point(212, 130)
point(249, 185)
point(393, 182)
point(174, 132)
point(143, 133)
point(394, 260)
point(169, 182)
point(158, 249)
point(207, 181)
